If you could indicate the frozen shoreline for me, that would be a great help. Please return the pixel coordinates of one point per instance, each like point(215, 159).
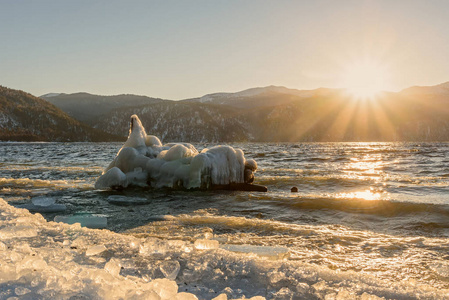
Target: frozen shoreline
point(48, 260)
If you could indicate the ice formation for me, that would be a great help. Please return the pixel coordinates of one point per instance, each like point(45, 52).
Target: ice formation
point(49, 260)
point(43, 205)
point(144, 161)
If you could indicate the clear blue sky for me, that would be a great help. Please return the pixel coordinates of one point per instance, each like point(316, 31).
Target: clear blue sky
point(182, 49)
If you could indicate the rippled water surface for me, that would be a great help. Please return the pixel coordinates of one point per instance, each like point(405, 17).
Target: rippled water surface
point(375, 208)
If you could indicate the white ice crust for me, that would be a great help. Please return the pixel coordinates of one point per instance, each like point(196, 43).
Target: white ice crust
point(49, 260)
point(144, 161)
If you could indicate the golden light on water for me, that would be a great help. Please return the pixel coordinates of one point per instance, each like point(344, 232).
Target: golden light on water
point(367, 167)
point(369, 194)
point(370, 165)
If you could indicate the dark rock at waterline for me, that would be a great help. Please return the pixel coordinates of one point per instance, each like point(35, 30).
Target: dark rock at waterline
point(248, 176)
point(294, 189)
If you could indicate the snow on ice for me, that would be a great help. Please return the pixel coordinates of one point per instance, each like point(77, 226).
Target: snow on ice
point(144, 161)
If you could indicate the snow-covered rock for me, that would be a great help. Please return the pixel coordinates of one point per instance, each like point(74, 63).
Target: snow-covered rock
point(144, 161)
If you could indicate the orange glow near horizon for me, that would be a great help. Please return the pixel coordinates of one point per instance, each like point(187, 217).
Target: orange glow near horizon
point(365, 79)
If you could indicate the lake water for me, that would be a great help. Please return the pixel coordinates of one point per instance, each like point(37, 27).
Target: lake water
point(368, 218)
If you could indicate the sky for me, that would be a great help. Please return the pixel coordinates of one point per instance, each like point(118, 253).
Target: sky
point(184, 49)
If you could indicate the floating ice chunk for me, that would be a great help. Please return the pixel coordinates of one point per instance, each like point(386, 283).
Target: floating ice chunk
point(95, 250)
point(263, 251)
point(84, 220)
point(123, 200)
point(113, 266)
point(166, 289)
point(43, 201)
point(170, 269)
point(185, 296)
point(112, 178)
point(203, 244)
point(52, 208)
point(20, 231)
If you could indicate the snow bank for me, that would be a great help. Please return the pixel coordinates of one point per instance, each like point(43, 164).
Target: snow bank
point(144, 161)
point(48, 260)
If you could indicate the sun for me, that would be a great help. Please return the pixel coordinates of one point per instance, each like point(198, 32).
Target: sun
point(365, 79)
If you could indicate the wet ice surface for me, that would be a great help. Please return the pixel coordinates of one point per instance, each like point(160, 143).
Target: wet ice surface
point(367, 221)
point(47, 260)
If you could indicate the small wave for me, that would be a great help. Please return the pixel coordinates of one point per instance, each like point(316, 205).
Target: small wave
point(356, 203)
point(316, 159)
point(67, 169)
point(39, 183)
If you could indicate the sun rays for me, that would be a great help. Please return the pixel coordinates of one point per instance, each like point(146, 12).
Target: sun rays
point(365, 79)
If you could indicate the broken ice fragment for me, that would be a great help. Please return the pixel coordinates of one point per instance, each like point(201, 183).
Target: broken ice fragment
point(166, 289)
point(203, 244)
point(263, 251)
point(170, 269)
point(43, 201)
point(89, 221)
point(113, 266)
point(95, 250)
point(52, 208)
point(20, 231)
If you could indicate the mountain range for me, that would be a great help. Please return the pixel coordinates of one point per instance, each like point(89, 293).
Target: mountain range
point(24, 117)
point(266, 114)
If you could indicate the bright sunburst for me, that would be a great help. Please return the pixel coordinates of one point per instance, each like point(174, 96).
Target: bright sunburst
point(365, 79)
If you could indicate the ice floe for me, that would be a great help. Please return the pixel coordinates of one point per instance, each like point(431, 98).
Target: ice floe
point(43, 205)
point(85, 220)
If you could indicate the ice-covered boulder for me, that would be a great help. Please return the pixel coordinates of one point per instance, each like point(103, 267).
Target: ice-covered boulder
point(144, 161)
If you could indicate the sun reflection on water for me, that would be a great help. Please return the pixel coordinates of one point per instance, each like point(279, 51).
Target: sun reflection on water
point(369, 166)
point(370, 194)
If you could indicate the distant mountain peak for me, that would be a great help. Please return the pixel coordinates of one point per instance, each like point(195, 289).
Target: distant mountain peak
point(439, 89)
point(444, 84)
point(50, 95)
